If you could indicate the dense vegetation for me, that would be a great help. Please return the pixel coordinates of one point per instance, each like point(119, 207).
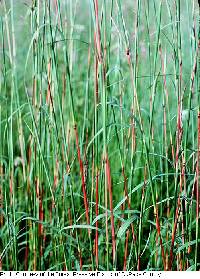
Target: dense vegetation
point(99, 135)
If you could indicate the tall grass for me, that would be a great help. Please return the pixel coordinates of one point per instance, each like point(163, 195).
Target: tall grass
point(99, 135)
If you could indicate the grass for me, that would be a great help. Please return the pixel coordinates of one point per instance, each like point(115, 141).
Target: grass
point(99, 135)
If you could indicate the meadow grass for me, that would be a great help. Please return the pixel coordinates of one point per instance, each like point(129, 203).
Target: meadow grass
point(99, 135)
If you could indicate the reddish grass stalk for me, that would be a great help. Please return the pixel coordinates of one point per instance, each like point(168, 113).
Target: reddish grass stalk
point(29, 154)
point(64, 267)
point(133, 103)
point(64, 90)
point(11, 188)
point(41, 216)
point(133, 131)
point(182, 183)
point(37, 187)
point(156, 254)
point(132, 226)
point(98, 36)
point(96, 75)
point(56, 174)
point(26, 257)
point(39, 193)
point(174, 234)
point(167, 101)
point(180, 263)
point(34, 101)
point(34, 259)
point(179, 133)
point(82, 178)
point(178, 144)
point(126, 249)
point(68, 145)
point(56, 9)
point(70, 217)
point(108, 174)
point(160, 236)
point(97, 213)
point(122, 207)
point(141, 213)
point(56, 6)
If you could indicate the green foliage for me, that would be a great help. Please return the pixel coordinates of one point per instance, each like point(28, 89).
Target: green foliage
point(99, 149)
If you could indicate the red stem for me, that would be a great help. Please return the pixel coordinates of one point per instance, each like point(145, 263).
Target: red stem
point(160, 236)
point(97, 213)
point(108, 174)
point(82, 178)
point(173, 235)
point(98, 37)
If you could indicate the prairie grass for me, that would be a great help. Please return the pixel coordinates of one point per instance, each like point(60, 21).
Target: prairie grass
point(99, 135)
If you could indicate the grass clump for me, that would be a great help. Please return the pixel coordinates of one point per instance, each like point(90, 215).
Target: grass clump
point(99, 135)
